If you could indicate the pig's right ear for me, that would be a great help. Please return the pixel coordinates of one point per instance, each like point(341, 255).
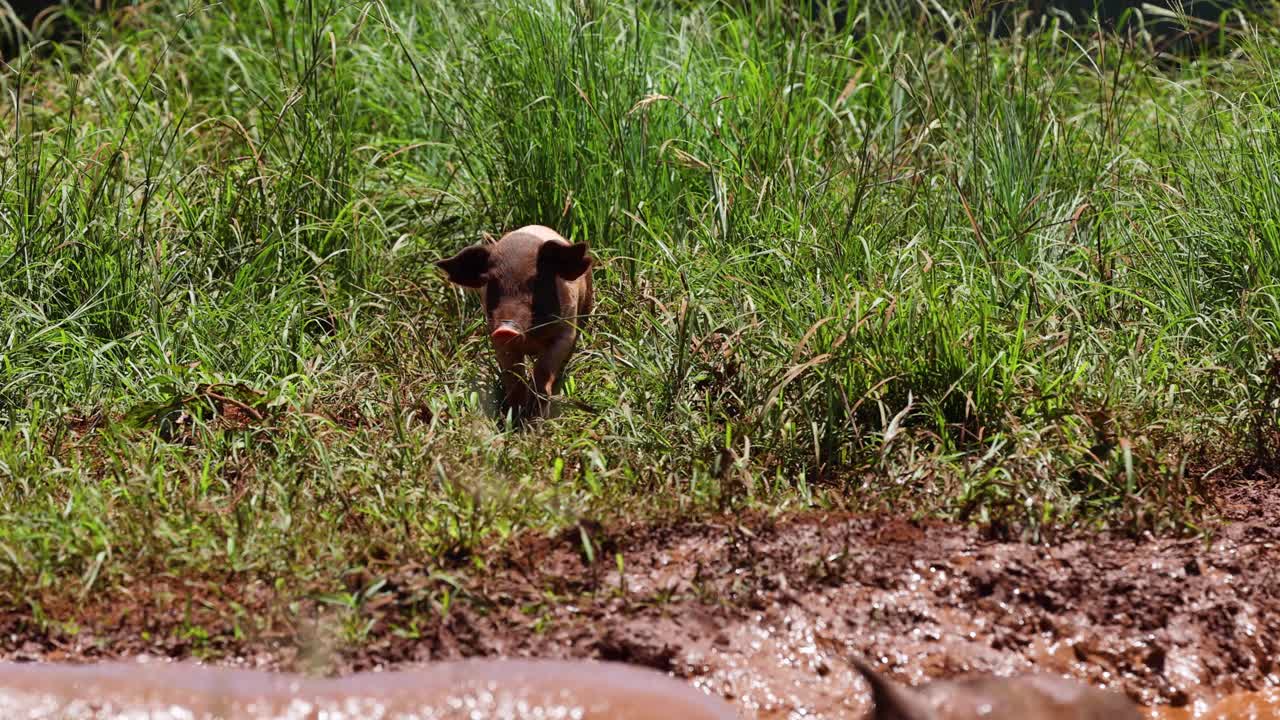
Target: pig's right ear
point(468, 267)
point(891, 701)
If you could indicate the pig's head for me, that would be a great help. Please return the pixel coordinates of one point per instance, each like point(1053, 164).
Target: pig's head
point(520, 277)
point(1029, 697)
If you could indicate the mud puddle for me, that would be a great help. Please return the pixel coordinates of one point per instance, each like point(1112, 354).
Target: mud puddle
point(763, 611)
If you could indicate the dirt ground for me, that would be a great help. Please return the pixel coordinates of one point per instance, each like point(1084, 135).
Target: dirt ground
point(759, 610)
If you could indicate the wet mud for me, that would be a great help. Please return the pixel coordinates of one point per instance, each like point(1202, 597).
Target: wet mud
point(764, 611)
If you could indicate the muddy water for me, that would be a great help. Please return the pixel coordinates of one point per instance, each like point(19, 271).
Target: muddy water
point(465, 690)
point(1262, 705)
point(782, 670)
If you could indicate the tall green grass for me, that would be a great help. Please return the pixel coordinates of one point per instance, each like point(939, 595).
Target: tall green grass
point(1028, 281)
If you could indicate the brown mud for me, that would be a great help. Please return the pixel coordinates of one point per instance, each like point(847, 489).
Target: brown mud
point(760, 610)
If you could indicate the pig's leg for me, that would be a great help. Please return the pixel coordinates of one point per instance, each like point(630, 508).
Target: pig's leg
point(546, 371)
point(515, 386)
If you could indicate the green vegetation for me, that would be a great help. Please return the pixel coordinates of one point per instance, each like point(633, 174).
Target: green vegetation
point(1027, 281)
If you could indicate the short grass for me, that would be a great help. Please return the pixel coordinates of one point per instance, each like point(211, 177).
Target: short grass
point(1028, 282)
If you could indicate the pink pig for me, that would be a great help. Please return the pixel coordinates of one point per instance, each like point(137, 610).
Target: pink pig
point(1027, 697)
point(537, 292)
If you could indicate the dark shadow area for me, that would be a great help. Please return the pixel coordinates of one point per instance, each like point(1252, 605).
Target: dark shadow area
point(35, 21)
point(1185, 27)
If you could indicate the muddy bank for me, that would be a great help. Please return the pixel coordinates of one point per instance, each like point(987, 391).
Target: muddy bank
point(758, 610)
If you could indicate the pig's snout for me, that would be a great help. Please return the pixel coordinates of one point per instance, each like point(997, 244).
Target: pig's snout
point(505, 332)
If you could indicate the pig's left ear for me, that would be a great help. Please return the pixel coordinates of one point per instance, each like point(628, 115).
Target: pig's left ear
point(468, 267)
point(568, 261)
point(891, 701)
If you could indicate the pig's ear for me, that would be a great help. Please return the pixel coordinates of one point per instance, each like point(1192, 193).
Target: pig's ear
point(568, 261)
point(891, 701)
point(468, 267)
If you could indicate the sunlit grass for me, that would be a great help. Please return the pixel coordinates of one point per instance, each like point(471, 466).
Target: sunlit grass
point(1027, 281)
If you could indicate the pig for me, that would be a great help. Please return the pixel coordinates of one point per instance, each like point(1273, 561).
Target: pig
point(453, 690)
point(1028, 697)
point(536, 292)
